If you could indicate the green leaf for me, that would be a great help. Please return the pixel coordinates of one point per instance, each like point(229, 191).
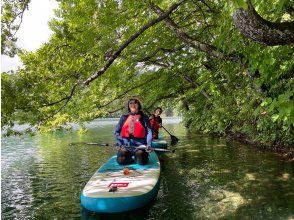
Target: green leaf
point(275, 117)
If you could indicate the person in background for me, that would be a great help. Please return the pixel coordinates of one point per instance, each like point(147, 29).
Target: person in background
point(132, 130)
point(155, 122)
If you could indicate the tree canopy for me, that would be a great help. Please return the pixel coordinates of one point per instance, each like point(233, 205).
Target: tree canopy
point(187, 54)
point(11, 18)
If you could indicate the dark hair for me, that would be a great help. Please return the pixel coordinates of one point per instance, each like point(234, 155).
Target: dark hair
point(136, 101)
point(159, 109)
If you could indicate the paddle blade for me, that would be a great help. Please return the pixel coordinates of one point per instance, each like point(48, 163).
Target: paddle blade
point(174, 140)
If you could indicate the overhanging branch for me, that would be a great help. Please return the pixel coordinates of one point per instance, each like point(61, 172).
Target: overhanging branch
point(127, 91)
point(164, 50)
point(253, 26)
point(196, 85)
point(130, 40)
point(196, 44)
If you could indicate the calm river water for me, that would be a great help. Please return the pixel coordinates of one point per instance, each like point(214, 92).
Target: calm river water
point(206, 178)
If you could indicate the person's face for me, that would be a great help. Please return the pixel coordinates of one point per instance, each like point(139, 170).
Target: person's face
point(134, 106)
point(157, 112)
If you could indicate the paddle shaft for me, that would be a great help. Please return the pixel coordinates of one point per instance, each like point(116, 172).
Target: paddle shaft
point(89, 143)
point(166, 130)
point(153, 149)
point(140, 148)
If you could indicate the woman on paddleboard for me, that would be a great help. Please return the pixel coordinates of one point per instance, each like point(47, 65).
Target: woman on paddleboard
point(133, 130)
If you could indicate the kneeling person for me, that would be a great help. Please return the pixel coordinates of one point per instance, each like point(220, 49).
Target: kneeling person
point(155, 122)
point(132, 131)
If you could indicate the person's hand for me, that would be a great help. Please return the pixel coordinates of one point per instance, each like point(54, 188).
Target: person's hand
point(148, 149)
point(120, 147)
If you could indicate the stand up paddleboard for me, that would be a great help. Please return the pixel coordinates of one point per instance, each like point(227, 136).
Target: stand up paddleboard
point(159, 143)
point(116, 188)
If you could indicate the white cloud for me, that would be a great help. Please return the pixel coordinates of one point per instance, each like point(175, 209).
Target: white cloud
point(34, 30)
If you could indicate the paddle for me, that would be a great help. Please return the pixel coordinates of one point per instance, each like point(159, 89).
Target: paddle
point(143, 147)
point(174, 139)
point(89, 143)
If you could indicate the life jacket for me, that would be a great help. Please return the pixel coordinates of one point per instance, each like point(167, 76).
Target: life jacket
point(154, 123)
point(133, 128)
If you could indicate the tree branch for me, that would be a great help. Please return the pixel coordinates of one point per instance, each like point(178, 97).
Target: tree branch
point(130, 40)
point(207, 48)
point(116, 110)
point(187, 78)
point(253, 26)
point(170, 95)
point(68, 98)
point(127, 91)
point(164, 50)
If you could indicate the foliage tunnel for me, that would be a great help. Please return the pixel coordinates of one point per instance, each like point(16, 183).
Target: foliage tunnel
point(194, 56)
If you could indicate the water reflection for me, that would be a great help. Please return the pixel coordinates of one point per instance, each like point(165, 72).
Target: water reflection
point(206, 178)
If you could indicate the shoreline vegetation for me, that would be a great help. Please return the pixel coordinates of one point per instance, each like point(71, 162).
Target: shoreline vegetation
point(285, 152)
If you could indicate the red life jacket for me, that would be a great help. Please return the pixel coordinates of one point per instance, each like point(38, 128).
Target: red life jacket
point(154, 124)
point(133, 127)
